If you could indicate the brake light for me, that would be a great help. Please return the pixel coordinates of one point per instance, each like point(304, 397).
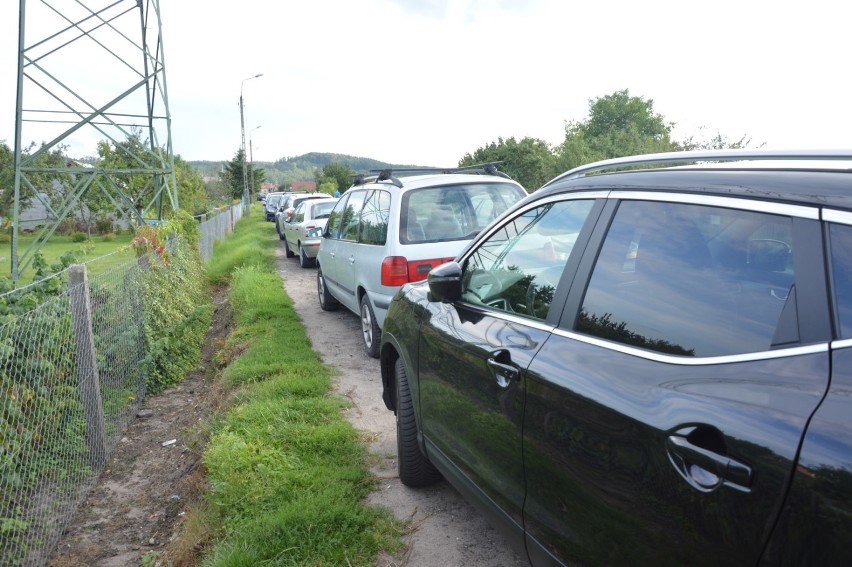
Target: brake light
point(394, 271)
point(397, 270)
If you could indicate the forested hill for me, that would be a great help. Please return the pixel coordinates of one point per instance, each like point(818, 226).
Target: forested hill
point(300, 168)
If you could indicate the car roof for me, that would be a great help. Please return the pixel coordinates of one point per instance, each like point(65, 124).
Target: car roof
point(806, 177)
point(418, 177)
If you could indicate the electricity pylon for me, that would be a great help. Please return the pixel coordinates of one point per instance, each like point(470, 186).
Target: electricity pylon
point(90, 72)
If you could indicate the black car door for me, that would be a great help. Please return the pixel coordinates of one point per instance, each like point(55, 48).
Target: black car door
point(473, 355)
point(815, 527)
point(664, 415)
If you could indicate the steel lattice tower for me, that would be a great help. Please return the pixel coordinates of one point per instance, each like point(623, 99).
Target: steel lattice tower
point(93, 72)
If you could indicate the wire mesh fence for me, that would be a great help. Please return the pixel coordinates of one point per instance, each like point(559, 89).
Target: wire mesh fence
point(72, 375)
point(74, 363)
point(217, 225)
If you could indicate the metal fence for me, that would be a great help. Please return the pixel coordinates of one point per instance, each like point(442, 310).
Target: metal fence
point(217, 225)
point(71, 377)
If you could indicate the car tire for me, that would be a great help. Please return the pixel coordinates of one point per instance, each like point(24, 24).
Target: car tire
point(369, 328)
point(327, 302)
point(287, 251)
point(415, 470)
point(281, 235)
point(304, 260)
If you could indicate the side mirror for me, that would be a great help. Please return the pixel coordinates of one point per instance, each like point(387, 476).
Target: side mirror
point(445, 283)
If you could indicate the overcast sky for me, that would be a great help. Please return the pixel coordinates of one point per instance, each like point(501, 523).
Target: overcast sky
point(426, 81)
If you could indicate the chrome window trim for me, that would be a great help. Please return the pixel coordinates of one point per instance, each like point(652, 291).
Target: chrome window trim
point(842, 343)
point(769, 207)
point(841, 217)
point(697, 361)
point(506, 316)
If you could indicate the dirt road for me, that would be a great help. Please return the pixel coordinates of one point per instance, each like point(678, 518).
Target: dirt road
point(446, 530)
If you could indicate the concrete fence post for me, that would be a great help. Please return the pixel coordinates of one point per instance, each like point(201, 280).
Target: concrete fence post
point(90, 388)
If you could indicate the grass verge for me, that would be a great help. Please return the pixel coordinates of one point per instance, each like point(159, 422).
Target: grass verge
point(286, 471)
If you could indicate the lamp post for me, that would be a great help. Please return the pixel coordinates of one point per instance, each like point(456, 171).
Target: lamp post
point(243, 144)
point(251, 161)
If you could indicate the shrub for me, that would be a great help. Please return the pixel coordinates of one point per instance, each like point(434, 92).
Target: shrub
point(103, 226)
point(109, 237)
point(79, 237)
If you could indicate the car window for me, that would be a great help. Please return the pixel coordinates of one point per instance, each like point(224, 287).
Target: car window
point(453, 212)
point(841, 273)
point(691, 280)
point(518, 267)
point(299, 213)
point(322, 210)
point(332, 227)
point(374, 218)
point(352, 216)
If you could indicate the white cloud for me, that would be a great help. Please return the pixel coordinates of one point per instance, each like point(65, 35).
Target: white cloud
point(424, 82)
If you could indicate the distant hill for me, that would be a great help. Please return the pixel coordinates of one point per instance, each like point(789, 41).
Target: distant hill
point(299, 168)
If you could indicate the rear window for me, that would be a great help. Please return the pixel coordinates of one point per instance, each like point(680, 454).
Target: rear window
point(322, 210)
point(453, 212)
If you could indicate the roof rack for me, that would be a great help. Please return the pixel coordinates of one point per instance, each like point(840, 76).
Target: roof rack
point(671, 158)
point(489, 168)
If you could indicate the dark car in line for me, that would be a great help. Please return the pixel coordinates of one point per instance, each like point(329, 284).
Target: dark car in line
point(648, 361)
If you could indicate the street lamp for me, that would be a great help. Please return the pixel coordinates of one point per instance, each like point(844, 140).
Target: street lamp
point(243, 144)
point(251, 160)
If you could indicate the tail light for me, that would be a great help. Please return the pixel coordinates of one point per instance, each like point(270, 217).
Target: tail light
point(397, 270)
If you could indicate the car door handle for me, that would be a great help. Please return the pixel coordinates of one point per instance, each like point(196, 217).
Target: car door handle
point(505, 373)
point(351, 259)
point(712, 467)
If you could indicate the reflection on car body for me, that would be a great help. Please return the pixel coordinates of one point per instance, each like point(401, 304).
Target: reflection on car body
point(644, 367)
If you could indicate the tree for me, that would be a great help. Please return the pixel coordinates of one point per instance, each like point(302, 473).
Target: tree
point(618, 125)
point(716, 142)
point(342, 176)
point(192, 194)
point(232, 176)
point(530, 162)
point(41, 182)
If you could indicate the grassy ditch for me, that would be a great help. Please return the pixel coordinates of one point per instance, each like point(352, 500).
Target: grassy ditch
point(286, 471)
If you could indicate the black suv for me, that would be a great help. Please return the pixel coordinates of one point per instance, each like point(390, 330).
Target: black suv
point(648, 361)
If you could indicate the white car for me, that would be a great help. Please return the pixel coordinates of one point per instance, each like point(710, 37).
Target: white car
point(386, 232)
point(288, 204)
point(303, 231)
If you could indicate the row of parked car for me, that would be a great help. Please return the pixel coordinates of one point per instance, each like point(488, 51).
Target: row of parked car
point(647, 361)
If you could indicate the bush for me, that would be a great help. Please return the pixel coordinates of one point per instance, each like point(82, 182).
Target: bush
point(103, 226)
point(108, 237)
point(79, 237)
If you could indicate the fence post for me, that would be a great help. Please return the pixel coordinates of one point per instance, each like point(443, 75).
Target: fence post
point(90, 389)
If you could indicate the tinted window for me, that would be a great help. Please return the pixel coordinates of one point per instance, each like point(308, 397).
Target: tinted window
point(841, 271)
point(374, 218)
point(332, 227)
point(453, 212)
point(351, 216)
point(691, 280)
point(518, 267)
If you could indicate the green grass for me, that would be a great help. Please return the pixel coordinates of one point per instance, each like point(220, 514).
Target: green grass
point(286, 470)
point(61, 244)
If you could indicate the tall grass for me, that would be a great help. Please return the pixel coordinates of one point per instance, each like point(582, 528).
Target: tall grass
point(286, 471)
